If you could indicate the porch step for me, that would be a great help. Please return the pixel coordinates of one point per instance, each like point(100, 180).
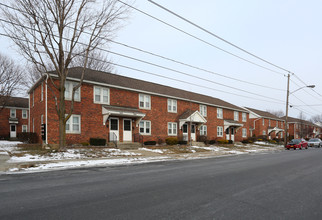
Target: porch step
point(126, 146)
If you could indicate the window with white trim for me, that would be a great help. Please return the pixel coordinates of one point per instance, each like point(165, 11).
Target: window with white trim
point(145, 127)
point(172, 105)
point(220, 131)
point(12, 113)
point(101, 95)
point(144, 101)
point(73, 125)
point(172, 128)
point(219, 113)
point(244, 117)
point(269, 122)
point(263, 121)
point(41, 119)
point(236, 116)
point(24, 128)
point(24, 114)
point(203, 130)
point(264, 132)
point(203, 110)
point(281, 135)
point(69, 91)
point(244, 132)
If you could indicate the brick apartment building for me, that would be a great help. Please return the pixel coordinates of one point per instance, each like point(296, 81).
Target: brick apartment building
point(120, 108)
point(265, 123)
point(298, 128)
point(14, 116)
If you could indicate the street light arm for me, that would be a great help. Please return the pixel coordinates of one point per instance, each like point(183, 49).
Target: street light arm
point(309, 86)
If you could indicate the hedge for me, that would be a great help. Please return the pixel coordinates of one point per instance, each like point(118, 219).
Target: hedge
point(171, 141)
point(97, 141)
point(150, 143)
point(28, 137)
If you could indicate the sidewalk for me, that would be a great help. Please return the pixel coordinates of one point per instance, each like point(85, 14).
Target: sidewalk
point(12, 161)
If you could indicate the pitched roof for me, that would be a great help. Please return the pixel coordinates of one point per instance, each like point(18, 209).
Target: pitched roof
point(264, 114)
point(297, 120)
point(17, 102)
point(113, 80)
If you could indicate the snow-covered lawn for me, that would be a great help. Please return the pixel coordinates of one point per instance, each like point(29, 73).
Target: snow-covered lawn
point(40, 160)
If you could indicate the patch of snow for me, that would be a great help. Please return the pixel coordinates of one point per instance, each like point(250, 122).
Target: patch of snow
point(152, 150)
point(211, 148)
point(89, 163)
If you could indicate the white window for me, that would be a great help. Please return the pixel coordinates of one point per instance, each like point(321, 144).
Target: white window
point(73, 125)
point(203, 130)
point(144, 101)
point(24, 114)
point(24, 128)
point(172, 128)
point(263, 121)
point(264, 132)
point(244, 117)
point(282, 124)
point(269, 122)
point(41, 119)
point(145, 127)
point(244, 132)
point(12, 113)
point(42, 92)
point(69, 91)
point(220, 131)
point(101, 95)
point(172, 105)
point(236, 116)
point(281, 135)
point(219, 113)
point(203, 110)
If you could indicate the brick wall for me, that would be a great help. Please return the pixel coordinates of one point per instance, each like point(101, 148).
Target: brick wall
point(92, 118)
point(4, 121)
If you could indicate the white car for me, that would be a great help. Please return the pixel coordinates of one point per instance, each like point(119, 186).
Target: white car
point(315, 142)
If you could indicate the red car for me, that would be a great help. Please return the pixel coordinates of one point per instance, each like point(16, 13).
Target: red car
point(297, 143)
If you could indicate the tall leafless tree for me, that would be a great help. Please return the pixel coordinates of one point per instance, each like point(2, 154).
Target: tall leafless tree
point(52, 33)
point(11, 79)
point(278, 113)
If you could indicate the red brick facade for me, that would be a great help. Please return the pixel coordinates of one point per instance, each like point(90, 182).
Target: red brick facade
point(92, 124)
point(10, 126)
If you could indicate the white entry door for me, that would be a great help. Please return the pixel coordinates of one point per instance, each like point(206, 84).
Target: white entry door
point(185, 132)
point(114, 129)
point(228, 134)
point(13, 131)
point(127, 130)
point(232, 136)
point(193, 132)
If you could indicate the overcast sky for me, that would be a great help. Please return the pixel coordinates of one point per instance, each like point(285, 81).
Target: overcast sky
point(287, 33)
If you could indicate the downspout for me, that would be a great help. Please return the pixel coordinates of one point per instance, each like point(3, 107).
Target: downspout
point(46, 106)
point(254, 123)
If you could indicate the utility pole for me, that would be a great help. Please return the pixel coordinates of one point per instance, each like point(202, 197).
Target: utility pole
point(286, 112)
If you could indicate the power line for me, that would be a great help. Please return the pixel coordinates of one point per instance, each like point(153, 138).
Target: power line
point(199, 39)
point(212, 34)
point(169, 59)
point(180, 72)
point(177, 80)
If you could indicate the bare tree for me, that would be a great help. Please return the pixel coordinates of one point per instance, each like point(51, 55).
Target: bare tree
point(303, 126)
point(52, 33)
point(11, 79)
point(278, 113)
point(96, 61)
point(316, 118)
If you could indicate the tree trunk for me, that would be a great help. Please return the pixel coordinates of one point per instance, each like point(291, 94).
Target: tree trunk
point(62, 124)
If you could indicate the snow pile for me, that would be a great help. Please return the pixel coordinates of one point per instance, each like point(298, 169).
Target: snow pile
point(9, 146)
point(152, 150)
point(89, 163)
point(211, 148)
point(118, 152)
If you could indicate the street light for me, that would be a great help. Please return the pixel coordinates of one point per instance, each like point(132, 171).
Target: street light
point(287, 97)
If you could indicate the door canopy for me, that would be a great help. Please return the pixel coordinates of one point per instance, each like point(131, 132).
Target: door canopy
point(125, 112)
point(278, 130)
point(232, 123)
point(193, 117)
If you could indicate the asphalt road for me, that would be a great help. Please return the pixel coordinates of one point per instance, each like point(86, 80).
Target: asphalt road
point(284, 185)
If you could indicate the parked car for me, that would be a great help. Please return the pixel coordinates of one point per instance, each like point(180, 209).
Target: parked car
point(315, 142)
point(297, 143)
